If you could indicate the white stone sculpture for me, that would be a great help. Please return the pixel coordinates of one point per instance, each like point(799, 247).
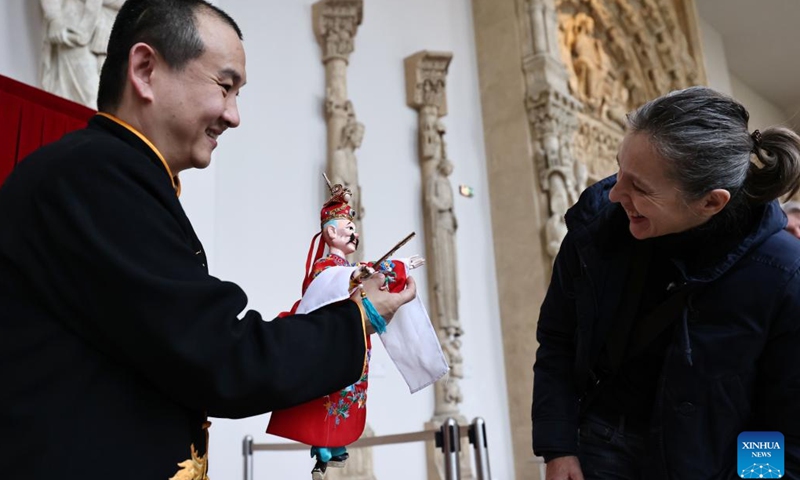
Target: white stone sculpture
point(344, 165)
point(438, 194)
point(426, 74)
point(556, 226)
point(590, 61)
point(75, 41)
point(335, 25)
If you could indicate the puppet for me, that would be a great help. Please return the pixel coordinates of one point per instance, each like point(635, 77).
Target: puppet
point(338, 419)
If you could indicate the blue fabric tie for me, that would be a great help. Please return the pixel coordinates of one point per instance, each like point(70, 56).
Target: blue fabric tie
point(375, 318)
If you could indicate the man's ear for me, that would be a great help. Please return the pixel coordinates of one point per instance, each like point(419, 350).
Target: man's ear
point(714, 201)
point(142, 62)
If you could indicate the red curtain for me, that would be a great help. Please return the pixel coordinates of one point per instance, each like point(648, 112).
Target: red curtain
point(30, 118)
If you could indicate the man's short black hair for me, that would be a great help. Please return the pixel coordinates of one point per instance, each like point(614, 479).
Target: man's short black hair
point(169, 26)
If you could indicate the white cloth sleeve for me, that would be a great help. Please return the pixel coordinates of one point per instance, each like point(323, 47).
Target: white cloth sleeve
point(410, 339)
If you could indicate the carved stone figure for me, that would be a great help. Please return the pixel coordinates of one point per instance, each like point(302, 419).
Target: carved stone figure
point(581, 176)
point(543, 30)
point(76, 35)
point(552, 149)
point(556, 226)
point(430, 140)
point(335, 26)
point(566, 26)
point(439, 199)
point(426, 73)
point(591, 63)
point(344, 166)
point(615, 108)
point(451, 346)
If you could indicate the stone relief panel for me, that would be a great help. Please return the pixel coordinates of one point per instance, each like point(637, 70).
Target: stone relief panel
point(587, 64)
point(617, 55)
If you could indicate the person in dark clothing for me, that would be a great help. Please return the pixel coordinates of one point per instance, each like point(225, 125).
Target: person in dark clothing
point(672, 320)
point(115, 342)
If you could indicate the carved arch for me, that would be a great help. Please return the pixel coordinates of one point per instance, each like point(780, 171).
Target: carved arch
point(618, 54)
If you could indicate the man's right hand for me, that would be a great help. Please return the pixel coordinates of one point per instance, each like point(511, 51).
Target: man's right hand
point(564, 468)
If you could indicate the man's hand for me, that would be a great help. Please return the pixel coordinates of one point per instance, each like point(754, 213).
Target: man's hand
point(564, 468)
point(385, 302)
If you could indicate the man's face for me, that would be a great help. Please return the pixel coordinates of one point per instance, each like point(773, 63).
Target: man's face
point(793, 226)
point(197, 103)
point(344, 238)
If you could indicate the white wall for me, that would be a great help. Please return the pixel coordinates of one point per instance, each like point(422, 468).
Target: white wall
point(714, 55)
point(20, 40)
point(268, 175)
point(763, 113)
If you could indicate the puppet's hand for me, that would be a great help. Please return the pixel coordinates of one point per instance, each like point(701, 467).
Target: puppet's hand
point(361, 272)
point(385, 302)
point(415, 261)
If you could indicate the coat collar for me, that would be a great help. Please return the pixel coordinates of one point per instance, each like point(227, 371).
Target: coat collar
point(136, 139)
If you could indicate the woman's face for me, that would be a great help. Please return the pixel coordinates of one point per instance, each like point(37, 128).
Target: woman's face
point(651, 198)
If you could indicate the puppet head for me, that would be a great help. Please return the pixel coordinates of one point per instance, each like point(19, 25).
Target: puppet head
point(340, 236)
point(337, 229)
point(336, 222)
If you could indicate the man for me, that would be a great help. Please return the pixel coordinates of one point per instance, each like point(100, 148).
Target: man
point(792, 211)
point(115, 343)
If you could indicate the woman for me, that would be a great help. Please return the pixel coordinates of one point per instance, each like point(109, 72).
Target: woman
point(672, 321)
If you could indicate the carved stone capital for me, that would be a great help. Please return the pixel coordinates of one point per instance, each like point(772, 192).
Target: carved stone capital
point(335, 26)
point(426, 80)
point(553, 111)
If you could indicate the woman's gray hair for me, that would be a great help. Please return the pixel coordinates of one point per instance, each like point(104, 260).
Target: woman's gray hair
point(704, 134)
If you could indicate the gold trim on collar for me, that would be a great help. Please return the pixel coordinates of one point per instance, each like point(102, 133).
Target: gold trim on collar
point(195, 468)
point(176, 183)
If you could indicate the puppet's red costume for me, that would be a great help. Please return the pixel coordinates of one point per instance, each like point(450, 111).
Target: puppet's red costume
point(338, 419)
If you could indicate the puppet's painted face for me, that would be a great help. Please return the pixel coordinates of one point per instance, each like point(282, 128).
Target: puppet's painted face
point(344, 236)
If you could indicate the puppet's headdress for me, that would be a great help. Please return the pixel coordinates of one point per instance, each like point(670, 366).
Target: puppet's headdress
point(334, 210)
point(337, 207)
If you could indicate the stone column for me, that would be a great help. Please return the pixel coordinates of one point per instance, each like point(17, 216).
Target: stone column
point(426, 74)
point(553, 117)
point(335, 26)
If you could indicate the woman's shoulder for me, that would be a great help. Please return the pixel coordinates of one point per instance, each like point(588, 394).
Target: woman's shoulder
point(780, 250)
